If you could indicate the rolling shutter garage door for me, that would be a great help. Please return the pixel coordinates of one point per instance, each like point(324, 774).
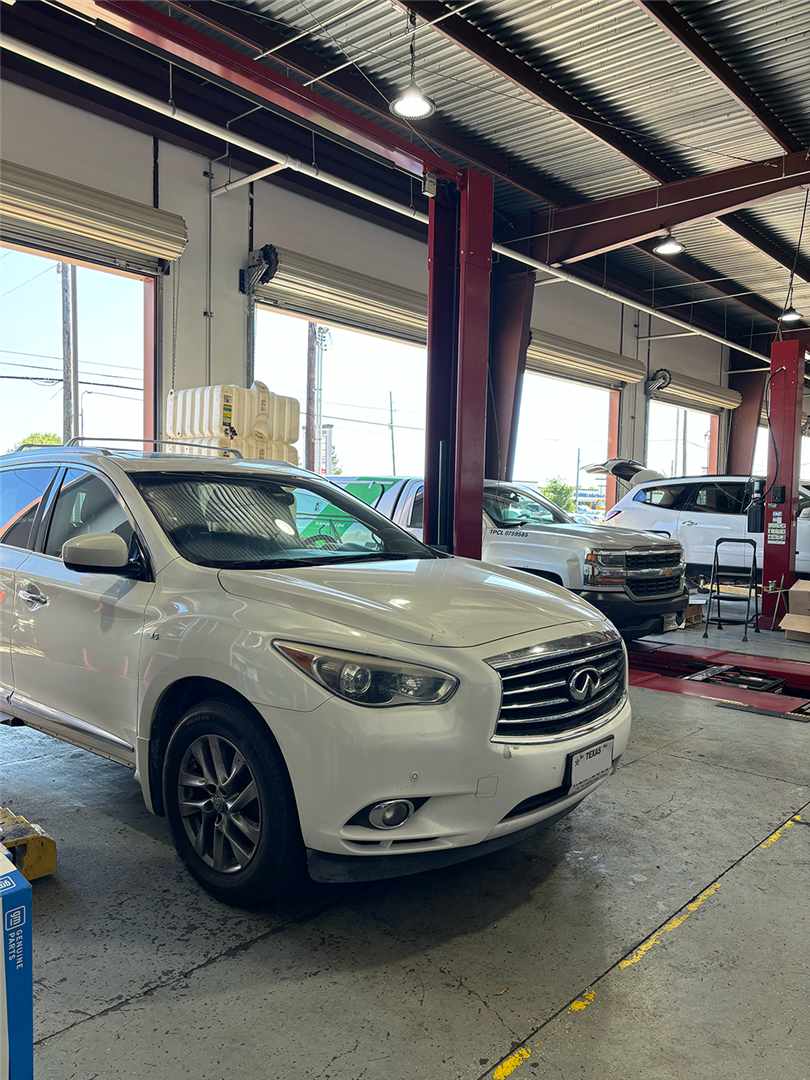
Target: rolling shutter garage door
point(690, 393)
point(322, 292)
point(551, 355)
point(56, 215)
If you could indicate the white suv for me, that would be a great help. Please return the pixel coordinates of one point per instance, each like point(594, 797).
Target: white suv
point(289, 673)
point(698, 511)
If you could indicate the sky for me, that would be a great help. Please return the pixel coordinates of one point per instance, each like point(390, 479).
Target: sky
point(110, 336)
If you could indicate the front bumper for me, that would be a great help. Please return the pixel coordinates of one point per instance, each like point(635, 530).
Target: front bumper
point(341, 869)
point(634, 618)
point(342, 758)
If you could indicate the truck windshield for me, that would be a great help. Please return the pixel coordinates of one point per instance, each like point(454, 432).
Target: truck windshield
point(250, 523)
point(510, 506)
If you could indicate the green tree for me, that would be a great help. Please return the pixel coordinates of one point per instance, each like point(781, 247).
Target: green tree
point(46, 437)
point(337, 468)
point(560, 493)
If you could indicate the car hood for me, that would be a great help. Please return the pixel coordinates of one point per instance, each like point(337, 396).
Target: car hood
point(441, 602)
point(603, 537)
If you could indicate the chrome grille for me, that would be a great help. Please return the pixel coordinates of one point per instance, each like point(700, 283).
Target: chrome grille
point(537, 700)
point(654, 586)
point(652, 560)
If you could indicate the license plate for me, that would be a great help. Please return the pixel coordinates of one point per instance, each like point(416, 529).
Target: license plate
point(591, 764)
point(672, 622)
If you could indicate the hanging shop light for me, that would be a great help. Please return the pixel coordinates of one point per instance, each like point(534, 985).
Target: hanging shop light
point(412, 103)
point(668, 246)
point(792, 315)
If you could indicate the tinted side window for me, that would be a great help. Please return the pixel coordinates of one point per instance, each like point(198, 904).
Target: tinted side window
point(418, 510)
point(670, 497)
point(20, 493)
point(719, 498)
point(85, 504)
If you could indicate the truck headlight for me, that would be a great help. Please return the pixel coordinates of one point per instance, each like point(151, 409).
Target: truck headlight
point(604, 569)
point(370, 680)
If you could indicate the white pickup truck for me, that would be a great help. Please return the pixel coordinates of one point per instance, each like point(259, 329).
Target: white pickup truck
point(635, 578)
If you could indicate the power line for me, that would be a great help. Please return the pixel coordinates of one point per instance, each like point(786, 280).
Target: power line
point(90, 363)
point(28, 282)
point(48, 380)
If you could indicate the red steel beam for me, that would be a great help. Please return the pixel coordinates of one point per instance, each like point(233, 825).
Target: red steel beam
point(200, 50)
point(745, 420)
point(580, 232)
point(475, 259)
point(785, 414)
point(512, 298)
point(673, 23)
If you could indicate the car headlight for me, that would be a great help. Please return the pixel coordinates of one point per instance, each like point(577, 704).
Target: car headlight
point(604, 569)
point(370, 680)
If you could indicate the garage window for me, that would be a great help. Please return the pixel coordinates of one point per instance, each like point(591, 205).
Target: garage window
point(372, 393)
point(101, 315)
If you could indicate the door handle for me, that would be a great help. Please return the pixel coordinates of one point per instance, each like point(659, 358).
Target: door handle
point(687, 523)
point(31, 597)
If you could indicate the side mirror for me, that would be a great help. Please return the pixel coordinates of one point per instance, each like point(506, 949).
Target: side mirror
point(104, 553)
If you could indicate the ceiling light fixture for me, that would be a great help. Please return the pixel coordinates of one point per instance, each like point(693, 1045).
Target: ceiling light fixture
point(668, 246)
point(411, 103)
point(792, 315)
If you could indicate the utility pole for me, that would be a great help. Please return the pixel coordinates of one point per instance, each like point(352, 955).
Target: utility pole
point(391, 425)
point(74, 350)
point(67, 354)
point(685, 417)
point(309, 437)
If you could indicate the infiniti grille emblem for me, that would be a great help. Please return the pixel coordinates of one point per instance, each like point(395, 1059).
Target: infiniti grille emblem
point(584, 683)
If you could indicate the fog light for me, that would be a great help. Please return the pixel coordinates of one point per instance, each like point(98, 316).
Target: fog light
point(390, 815)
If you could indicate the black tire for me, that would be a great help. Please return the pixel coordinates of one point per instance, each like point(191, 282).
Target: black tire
point(235, 822)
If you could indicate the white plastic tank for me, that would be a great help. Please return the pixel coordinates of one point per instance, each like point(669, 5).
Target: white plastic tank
point(231, 412)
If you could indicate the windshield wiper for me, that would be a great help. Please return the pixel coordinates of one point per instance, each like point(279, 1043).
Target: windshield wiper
point(333, 559)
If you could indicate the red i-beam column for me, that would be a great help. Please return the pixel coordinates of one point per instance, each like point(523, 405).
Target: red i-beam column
point(442, 334)
point(475, 262)
point(787, 378)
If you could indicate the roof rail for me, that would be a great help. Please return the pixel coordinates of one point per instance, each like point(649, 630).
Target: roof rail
point(54, 446)
point(74, 443)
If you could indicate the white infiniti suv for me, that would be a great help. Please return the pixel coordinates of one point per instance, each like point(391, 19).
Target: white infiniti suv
point(289, 674)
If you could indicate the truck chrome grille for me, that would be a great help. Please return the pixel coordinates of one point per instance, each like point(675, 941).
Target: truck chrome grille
point(652, 560)
point(560, 687)
point(654, 586)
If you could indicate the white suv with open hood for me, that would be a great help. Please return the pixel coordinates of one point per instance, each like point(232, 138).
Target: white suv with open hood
point(291, 675)
point(698, 511)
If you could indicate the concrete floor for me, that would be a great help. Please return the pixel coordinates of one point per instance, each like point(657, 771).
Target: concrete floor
point(515, 964)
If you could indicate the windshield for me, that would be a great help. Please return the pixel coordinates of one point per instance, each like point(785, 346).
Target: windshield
point(249, 523)
point(510, 506)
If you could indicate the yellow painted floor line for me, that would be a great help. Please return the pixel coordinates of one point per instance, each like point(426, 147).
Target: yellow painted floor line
point(523, 1053)
point(778, 834)
point(673, 924)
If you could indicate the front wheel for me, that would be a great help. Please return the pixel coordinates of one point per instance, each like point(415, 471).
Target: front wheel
point(230, 806)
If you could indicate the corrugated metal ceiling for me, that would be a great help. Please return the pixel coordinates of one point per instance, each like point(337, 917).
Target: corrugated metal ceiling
point(609, 55)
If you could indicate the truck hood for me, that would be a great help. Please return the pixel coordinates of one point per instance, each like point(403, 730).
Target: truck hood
point(581, 537)
point(442, 602)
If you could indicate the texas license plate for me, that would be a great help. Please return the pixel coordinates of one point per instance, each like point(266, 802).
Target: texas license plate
point(672, 622)
point(591, 764)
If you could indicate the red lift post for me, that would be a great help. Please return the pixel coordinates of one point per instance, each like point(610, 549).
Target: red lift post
point(784, 460)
